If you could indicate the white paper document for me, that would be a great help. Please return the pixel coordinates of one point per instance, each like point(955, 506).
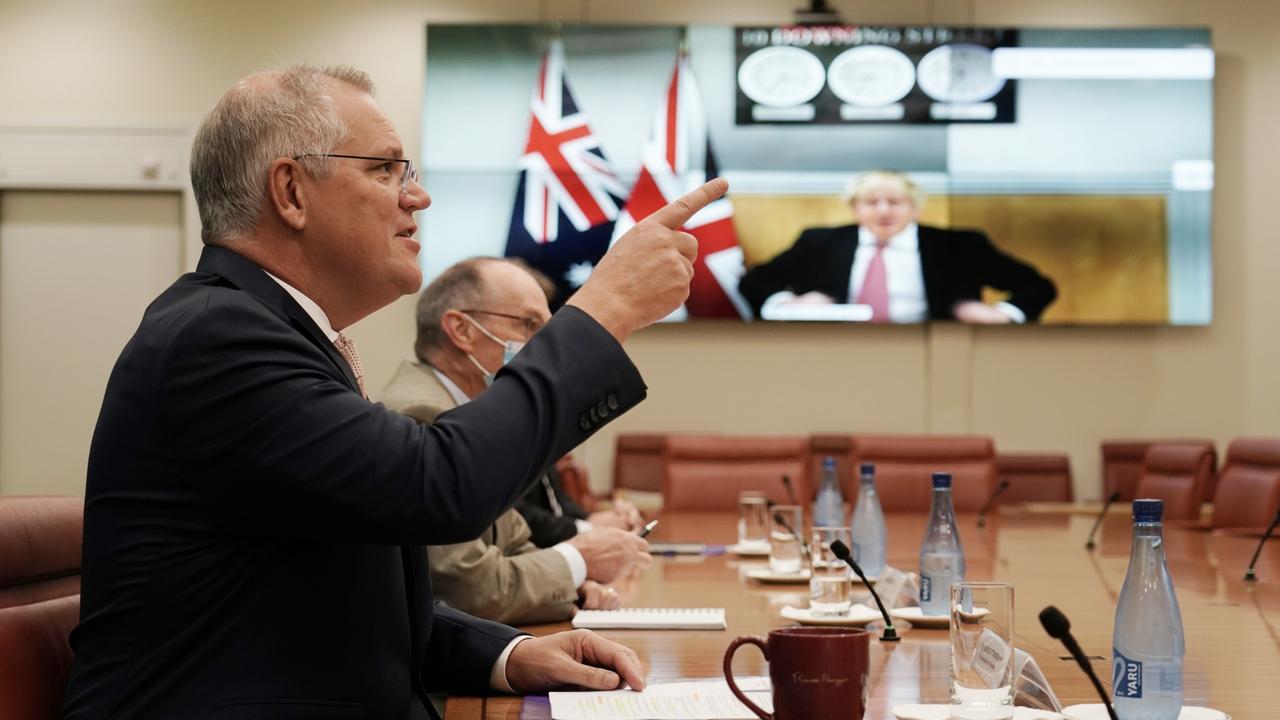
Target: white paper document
point(692, 700)
point(651, 619)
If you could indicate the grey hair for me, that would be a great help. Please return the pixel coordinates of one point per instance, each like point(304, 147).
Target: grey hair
point(459, 287)
point(875, 179)
point(252, 125)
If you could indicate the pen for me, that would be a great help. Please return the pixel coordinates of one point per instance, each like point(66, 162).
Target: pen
point(644, 532)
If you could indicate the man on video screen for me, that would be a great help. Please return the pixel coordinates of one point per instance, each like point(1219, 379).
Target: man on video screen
point(903, 271)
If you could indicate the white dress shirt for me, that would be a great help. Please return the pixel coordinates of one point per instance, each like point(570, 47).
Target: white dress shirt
point(498, 675)
point(907, 302)
point(903, 274)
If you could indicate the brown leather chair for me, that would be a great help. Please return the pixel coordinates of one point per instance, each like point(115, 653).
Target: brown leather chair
point(637, 462)
point(1035, 477)
point(706, 472)
point(40, 541)
point(1248, 493)
point(574, 480)
point(1122, 464)
point(904, 464)
point(840, 448)
point(1176, 473)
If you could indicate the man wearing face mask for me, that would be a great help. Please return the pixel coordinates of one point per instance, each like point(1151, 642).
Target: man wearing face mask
point(472, 320)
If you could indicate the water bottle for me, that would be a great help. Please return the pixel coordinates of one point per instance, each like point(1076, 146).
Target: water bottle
point(828, 507)
point(941, 555)
point(867, 521)
point(1147, 643)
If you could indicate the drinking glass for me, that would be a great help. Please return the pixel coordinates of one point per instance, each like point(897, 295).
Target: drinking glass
point(982, 654)
point(830, 576)
point(786, 525)
point(753, 520)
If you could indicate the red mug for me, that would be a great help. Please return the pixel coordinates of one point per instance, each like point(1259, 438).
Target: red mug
point(818, 673)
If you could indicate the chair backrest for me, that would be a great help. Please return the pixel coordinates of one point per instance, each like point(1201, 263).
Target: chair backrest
point(706, 472)
point(1041, 477)
point(1176, 473)
point(904, 464)
point(840, 448)
point(40, 540)
point(637, 462)
point(1248, 493)
point(1122, 464)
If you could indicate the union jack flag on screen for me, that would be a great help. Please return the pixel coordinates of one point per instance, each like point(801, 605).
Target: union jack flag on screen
point(677, 159)
point(567, 197)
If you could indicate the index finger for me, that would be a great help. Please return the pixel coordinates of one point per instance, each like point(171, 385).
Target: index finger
point(678, 212)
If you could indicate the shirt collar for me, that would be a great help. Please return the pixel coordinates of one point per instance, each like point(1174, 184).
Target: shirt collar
point(310, 307)
point(455, 392)
point(908, 239)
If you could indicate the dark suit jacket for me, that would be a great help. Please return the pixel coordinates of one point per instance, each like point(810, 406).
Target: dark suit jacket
point(956, 265)
point(548, 528)
point(249, 518)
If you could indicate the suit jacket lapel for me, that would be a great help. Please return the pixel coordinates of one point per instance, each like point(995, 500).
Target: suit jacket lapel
point(242, 273)
point(844, 251)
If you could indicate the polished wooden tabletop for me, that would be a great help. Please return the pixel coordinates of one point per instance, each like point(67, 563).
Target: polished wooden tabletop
point(1233, 646)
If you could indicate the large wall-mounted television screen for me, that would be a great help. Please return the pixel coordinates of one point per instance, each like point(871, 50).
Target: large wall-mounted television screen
point(877, 174)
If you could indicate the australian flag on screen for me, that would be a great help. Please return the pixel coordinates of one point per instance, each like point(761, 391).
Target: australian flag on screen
point(567, 197)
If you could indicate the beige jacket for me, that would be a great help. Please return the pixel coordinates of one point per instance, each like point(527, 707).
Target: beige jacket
point(500, 576)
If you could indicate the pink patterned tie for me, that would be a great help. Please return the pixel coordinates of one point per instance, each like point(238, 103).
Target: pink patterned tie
point(875, 287)
point(347, 349)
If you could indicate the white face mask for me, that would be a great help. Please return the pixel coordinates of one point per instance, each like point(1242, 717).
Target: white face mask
point(509, 350)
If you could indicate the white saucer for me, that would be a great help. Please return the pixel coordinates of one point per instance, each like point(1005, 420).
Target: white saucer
point(748, 550)
point(917, 618)
point(857, 616)
point(765, 575)
point(943, 712)
point(1098, 711)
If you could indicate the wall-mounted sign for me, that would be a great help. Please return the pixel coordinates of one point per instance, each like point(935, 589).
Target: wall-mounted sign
point(851, 74)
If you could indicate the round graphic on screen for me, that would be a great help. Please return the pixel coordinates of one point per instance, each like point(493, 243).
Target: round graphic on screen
point(781, 76)
point(959, 74)
point(871, 76)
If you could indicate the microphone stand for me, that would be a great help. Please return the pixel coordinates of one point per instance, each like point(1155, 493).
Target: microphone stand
point(842, 551)
point(1089, 544)
point(1059, 628)
point(982, 514)
point(791, 491)
point(1250, 575)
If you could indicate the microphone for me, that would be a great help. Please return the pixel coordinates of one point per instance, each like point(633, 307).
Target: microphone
point(1059, 628)
point(1090, 544)
point(982, 514)
point(1249, 574)
point(842, 551)
point(777, 517)
point(791, 491)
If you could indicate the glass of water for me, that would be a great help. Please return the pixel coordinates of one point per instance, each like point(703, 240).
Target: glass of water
point(753, 520)
point(982, 657)
point(786, 526)
point(830, 578)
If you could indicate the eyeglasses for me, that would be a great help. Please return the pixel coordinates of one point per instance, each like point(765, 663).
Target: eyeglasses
point(410, 172)
point(531, 325)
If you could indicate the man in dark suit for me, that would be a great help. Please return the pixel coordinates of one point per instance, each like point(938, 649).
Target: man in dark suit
point(905, 272)
point(250, 518)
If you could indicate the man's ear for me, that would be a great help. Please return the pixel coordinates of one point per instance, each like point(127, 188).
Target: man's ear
point(457, 326)
point(285, 193)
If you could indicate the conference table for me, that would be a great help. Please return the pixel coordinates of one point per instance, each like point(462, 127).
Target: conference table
point(1233, 647)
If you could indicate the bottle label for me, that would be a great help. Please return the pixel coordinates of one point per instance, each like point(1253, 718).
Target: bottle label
point(1126, 675)
point(926, 588)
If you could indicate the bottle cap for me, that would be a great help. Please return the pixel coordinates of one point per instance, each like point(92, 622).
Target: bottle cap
point(941, 480)
point(1148, 510)
point(867, 470)
point(828, 463)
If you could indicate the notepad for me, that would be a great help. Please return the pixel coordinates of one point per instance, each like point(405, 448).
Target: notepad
point(687, 700)
point(651, 619)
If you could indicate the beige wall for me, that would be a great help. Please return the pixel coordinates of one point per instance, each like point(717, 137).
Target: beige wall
point(164, 63)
